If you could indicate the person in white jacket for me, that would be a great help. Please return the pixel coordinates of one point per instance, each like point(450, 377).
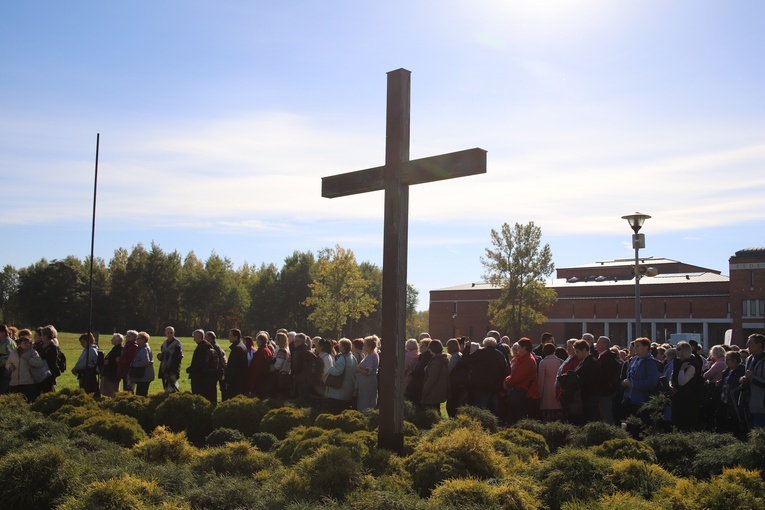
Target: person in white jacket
point(21, 364)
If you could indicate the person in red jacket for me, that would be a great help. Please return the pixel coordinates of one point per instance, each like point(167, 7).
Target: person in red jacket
point(523, 378)
point(125, 359)
point(257, 372)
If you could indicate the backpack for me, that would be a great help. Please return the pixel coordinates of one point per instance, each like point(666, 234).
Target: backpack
point(60, 361)
point(315, 368)
point(100, 362)
point(211, 362)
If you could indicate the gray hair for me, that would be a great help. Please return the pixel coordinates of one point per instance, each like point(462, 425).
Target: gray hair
point(489, 342)
point(605, 339)
point(411, 344)
point(200, 332)
point(671, 353)
point(717, 351)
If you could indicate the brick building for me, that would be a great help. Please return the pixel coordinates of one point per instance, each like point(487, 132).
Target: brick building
point(600, 298)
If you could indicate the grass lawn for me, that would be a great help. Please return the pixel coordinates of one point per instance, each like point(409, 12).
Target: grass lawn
point(70, 346)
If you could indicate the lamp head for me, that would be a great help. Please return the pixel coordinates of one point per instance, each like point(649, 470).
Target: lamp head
point(636, 220)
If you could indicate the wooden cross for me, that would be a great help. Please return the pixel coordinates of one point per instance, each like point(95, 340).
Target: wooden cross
point(395, 178)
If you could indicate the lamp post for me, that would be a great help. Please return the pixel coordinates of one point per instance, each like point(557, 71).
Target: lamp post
point(638, 241)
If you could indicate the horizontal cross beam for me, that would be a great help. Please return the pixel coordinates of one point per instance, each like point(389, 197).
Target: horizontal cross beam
point(418, 171)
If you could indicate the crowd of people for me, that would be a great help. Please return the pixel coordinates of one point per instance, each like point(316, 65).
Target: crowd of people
point(587, 380)
point(592, 380)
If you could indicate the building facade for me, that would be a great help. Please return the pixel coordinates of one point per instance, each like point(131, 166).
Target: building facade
point(599, 298)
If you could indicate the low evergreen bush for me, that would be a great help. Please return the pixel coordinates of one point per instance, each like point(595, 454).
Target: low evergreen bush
point(471, 493)
point(513, 452)
point(37, 478)
point(237, 459)
point(596, 433)
point(461, 421)
point(382, 498)
point(372, 417)
point(734, 488)
point(625, 449)
point(616, 501)
point(462, 453)
point(574, 474)
point(426, 418)
point(302, 442)
point(49, 403)
point(120, 429)
point(486, 418)
point(347, 421)
point(557, 434)
point(677, 451)
point(188, 413)
point(135, 406)
point(42, 429)
point(264, 441)
point(13, 403)
point(123, 492)
point(753, 456)
point(228, 493)
point(464, 493)
point(241, 413)
point(221, 436)
point(526, 438)
point(332, 472)
point(639, 477)
point(73, 416)
point(165, 447)
point(281, 420)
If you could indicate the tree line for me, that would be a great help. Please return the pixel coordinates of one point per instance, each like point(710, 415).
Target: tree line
point(329, 294)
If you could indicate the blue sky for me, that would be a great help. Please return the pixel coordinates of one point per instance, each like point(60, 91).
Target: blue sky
point(219, 118)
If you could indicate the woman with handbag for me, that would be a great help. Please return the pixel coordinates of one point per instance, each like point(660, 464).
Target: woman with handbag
point(522, 384)
point(86, 367)
point(366, 375)
point(341, 379)
point(142, 368)
point(26, 367)
point(281, 369)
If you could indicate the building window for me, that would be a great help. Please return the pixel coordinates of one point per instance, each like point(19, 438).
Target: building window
point(753, 308)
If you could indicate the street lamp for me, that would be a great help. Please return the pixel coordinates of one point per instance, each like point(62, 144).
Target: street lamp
point(638, 241)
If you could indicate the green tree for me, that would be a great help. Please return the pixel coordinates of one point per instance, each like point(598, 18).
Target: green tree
point(294, 281)
point(518, 265)
point(9, 286)
point(55, 293)
point(338, 291)
point(264, 311)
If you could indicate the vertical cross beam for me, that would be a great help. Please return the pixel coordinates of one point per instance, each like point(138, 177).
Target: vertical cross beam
point(391, 402)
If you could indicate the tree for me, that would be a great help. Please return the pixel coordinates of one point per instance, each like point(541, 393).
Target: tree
point(338, 291)
point(518, 265)
point(9, 285)
point(294, 281)
point(264, 312)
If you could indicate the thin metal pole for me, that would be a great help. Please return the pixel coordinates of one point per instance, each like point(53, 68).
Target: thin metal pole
point(637, 293)
point(92, 245)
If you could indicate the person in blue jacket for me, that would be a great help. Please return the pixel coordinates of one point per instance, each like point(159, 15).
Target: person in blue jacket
point(642, 377)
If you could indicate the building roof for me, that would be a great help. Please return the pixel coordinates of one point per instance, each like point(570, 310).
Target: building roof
point(751, 252)
point(660, 279)
point(653, 261)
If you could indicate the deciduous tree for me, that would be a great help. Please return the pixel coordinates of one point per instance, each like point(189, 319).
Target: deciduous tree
point(338, 291)
point(518, 265)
